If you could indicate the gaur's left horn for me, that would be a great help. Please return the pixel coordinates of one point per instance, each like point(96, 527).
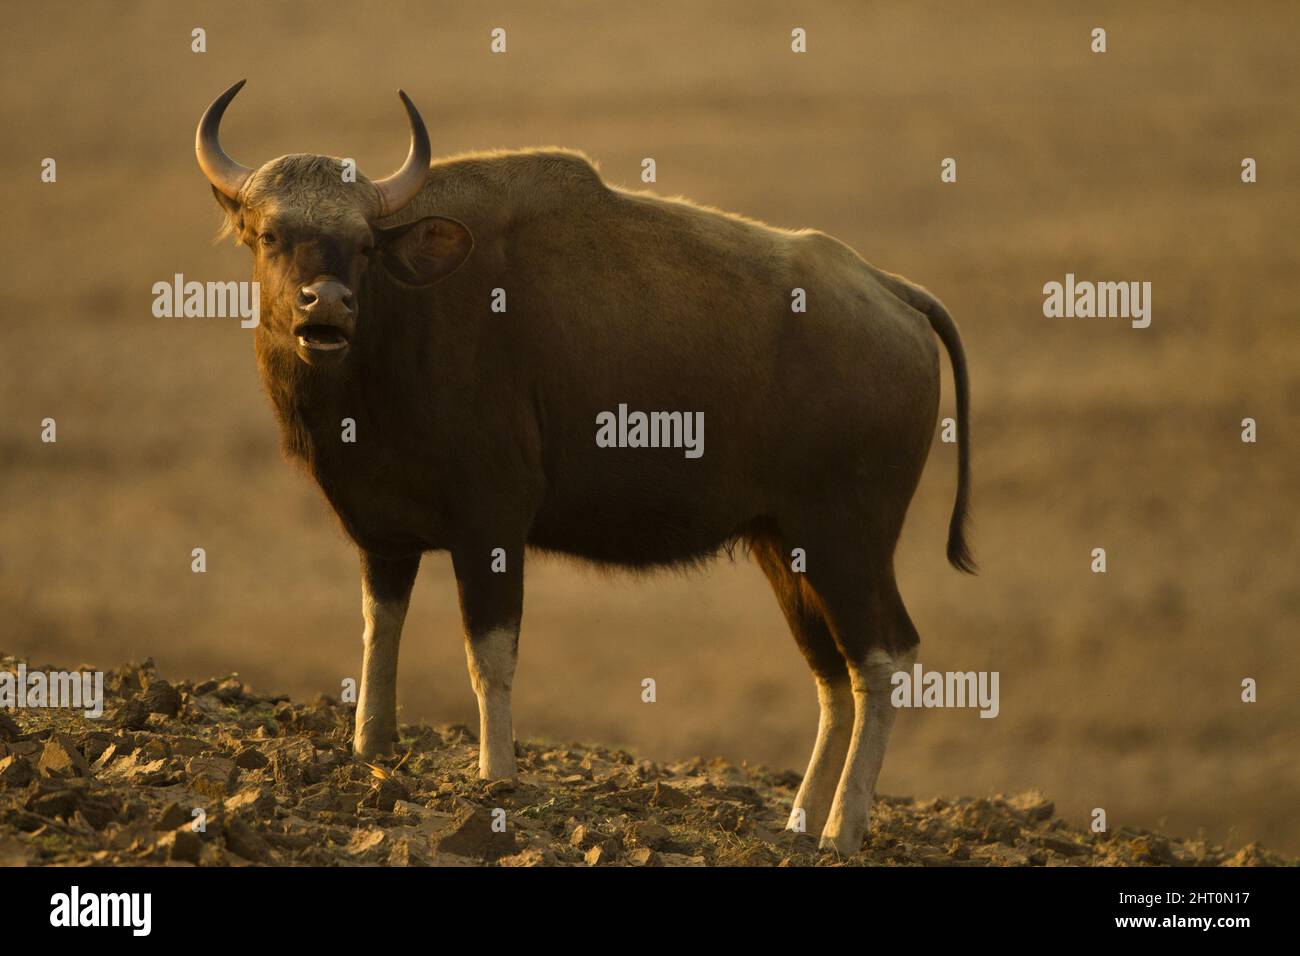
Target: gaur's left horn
point(222, 171)
point(404, 185)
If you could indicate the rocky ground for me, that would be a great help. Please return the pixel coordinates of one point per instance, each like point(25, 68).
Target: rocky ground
point(213, 774)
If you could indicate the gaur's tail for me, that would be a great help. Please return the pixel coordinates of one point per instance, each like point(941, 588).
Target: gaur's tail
point(959, 555)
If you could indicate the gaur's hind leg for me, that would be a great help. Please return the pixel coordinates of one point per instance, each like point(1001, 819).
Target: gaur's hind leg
point(812, 804)
point(889, 646)
point(491, 605)
point(385, 592)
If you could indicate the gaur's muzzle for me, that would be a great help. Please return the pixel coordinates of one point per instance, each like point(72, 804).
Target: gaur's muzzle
point(325, 314)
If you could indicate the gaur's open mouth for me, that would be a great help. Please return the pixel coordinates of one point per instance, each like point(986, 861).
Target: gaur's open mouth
point(321, 338)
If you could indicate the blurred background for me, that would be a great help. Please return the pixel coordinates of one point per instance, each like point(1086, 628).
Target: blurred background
point(1119, 691)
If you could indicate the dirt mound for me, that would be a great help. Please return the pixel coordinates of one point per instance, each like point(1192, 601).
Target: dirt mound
point(213, 774)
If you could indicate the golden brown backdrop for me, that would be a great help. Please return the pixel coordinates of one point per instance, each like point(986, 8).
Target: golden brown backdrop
point(1118, 690)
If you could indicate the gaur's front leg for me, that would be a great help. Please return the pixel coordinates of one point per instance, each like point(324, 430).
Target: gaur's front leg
point(385, 592)
point(490, 578)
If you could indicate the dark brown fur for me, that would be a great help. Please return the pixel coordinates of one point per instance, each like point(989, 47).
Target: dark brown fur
point(476, 430)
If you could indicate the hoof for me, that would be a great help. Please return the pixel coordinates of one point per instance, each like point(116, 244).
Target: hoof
point(844, 846)
point(498, 773)
point(368, 748)
point(843, 837)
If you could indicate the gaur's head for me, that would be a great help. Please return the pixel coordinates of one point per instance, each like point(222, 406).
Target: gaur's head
point(315, 236)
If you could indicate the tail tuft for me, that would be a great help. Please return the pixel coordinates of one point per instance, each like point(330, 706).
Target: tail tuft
point(959, 555)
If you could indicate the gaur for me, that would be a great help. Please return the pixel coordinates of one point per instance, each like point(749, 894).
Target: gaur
point(481, 317)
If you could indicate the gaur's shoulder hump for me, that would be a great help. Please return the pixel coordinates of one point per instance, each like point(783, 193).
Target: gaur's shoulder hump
point(516, 170)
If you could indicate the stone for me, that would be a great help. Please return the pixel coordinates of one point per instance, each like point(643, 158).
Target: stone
point(1153, 849)
point(1252, 854)
point(162, 698)
point(641, 856)
point(230, 690)
point(180, 846)
point(645, 833)
point(53, 803)
point(242, 840)
point(407, 852)
point(584, 837)
point(532, 856)
point(728, 817)
point(9, 730)
point(188, 746)
point(369, 842)
point(250, 758)
point(1033, 805)
point(61, 758)
point(1059, 844)
point(213, 777)
point(470, 833)
point(15, 852)
point(258, 799)
point(173, 816)
point(154, 749)
point(144, 773)
point(106, 757)
point(669, 797)
point(132, 714)
point(15, 771)
point(384, 794)
point(286, 770)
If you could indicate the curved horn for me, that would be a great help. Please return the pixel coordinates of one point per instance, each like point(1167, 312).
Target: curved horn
point(397, 190)
point(222, 171)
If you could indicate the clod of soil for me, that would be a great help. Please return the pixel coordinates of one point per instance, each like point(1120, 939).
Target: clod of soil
point(213, 774)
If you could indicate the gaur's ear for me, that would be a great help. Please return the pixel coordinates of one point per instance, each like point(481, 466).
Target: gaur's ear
point(234, 224)
point(423, 252)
